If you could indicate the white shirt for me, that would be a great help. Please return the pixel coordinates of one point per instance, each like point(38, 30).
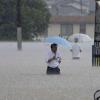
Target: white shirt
point(54, 63)
point(76, 50)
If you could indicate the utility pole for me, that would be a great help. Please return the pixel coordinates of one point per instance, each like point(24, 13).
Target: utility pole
point(19, 28)
point(81, 19)
point(81, 8)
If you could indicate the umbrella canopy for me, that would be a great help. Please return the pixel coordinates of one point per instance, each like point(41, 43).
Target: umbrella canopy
point(58, 40)
point(81, 37)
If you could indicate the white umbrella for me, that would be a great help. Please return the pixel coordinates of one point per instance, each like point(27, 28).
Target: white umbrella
point(81, 37)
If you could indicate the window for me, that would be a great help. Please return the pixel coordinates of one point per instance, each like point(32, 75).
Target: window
point(66, 29)
point(83, 28)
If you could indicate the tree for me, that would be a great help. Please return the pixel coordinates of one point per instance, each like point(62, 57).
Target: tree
point(34, 16)
point(7, 20)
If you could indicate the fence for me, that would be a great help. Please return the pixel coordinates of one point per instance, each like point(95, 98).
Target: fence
point(96, 54)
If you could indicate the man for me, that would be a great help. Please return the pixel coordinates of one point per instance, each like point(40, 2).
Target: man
point(76, 50)
point(53, 60)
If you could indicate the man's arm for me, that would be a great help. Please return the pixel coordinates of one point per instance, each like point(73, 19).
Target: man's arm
point(59, 59)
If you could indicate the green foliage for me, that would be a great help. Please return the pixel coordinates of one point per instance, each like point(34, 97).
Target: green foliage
point(7, 20)
point(34, 16)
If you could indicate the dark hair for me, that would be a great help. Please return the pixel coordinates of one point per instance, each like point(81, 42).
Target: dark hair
point(53, 45)
point(76, 39)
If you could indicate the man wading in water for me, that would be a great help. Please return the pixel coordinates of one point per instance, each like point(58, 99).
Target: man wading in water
point(53, 60)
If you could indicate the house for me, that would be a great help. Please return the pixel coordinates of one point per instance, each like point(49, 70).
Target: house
point(67, 25)
point(71, 16)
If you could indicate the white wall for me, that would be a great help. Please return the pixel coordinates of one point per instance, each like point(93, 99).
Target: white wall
point(76, 28)
point(53, 29)
point(90, 30)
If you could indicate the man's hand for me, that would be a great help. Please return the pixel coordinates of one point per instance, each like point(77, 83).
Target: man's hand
point(53, 58)
point(71, 50)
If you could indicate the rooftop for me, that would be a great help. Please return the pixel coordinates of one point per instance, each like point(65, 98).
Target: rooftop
point(88, 7)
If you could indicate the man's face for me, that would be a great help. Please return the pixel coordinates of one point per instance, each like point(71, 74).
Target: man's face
point(54, 49)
